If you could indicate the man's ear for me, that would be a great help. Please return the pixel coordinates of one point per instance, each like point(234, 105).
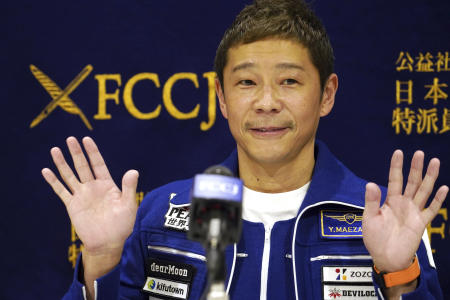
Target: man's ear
point(328, 94)
point(220, 95)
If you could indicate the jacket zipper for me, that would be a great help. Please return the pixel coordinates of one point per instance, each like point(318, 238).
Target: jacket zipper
point(265, 263)
point(177, 252)
point(330, 257)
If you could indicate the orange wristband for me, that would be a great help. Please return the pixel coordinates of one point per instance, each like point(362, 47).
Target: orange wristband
point(387, 280)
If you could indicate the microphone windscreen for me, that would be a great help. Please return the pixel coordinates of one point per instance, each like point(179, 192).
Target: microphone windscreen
point(219, 170)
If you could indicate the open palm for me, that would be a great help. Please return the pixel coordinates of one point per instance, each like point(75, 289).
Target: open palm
point(392, 232)
point(102, 214)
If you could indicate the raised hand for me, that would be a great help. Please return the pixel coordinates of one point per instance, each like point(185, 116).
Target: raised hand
point(392, 232)
point(102, 214)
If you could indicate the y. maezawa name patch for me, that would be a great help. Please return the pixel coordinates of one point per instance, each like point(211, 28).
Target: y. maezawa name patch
point(341, 224)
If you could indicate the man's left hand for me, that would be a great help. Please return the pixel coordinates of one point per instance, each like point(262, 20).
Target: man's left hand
point(392, 232)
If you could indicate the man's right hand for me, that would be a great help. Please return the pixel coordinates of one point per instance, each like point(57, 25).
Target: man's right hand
point(102, 214)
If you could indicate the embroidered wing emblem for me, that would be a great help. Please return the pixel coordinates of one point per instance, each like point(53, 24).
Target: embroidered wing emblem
point(349, 218)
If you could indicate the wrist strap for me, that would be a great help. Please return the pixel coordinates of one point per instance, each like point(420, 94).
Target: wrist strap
point(387, 280)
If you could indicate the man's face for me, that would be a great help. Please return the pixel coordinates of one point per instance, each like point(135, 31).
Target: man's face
point(272, 99)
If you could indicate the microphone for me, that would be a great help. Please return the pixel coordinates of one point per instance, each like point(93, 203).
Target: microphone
point(216, 221)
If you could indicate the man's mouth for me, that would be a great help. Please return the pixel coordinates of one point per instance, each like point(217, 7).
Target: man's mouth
point(262, 129)
point(268, 132)
point(268, 129)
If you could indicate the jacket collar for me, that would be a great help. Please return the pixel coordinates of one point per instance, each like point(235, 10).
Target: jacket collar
point(331, 180)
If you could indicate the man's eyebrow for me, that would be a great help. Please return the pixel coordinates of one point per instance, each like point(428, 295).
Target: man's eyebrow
point(242, 66)
point(289, 66)
point(247, 65)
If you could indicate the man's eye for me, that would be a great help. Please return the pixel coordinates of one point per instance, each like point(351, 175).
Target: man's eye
point(289, 81)
point(246, 82)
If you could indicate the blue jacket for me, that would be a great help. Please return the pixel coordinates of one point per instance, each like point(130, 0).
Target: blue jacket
point(318, 255)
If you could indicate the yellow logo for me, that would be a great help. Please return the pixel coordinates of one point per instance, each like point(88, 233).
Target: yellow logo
point(349, 218)
point(60, 97)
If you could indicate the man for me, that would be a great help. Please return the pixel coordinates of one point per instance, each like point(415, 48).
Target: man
point(302, 236)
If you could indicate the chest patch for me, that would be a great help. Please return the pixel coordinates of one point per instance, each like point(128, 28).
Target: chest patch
point(347, 274)
point(347, 282)
point(332, 291)
point(336, 224)
point(169, 280)
point(177, 217)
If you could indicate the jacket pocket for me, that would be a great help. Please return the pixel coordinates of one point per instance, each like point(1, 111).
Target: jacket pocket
point(169, 263)
point(342, 276)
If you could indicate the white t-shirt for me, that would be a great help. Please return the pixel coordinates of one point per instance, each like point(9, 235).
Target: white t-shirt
point(268, 208)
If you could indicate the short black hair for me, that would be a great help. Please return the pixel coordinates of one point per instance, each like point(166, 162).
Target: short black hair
point(284, 19)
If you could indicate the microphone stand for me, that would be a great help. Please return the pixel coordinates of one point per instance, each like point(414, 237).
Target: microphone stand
point(215, 256)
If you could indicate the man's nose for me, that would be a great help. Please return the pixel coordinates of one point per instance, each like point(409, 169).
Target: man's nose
point(267, 100)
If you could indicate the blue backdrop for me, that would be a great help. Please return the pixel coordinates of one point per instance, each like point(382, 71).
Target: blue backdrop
point(136, 76)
